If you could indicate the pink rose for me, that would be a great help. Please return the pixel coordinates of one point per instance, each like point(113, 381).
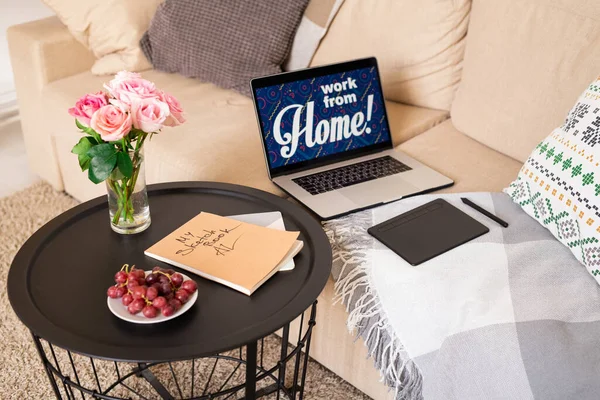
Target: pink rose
point(176, 117)
point(126, 75)
point(111, 122)
point(149, 114)
point(128, 86)
point(87, 106)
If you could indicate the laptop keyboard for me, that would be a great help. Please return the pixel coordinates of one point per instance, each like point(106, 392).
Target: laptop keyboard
point(353, 174)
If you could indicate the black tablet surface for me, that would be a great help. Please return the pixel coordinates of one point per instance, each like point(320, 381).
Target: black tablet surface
point(427, 231)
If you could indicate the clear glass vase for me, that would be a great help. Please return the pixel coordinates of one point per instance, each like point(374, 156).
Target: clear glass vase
point(128, 199)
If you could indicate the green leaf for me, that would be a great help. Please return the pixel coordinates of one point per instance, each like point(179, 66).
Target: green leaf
point(124, 163)
point(81, 149)
point(84, 144)
point(100, 168)
point(80, 125)
point(84, 161)
point(116, 174)
point(103, 160)
point(104, 150)
point(89, 131)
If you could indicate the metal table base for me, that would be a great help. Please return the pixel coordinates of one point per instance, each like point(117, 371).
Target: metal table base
point(73, 376)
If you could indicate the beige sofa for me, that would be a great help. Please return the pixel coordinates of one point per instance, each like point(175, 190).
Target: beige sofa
point(525, 63)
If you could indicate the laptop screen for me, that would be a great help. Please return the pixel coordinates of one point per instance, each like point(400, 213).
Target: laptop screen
point(322, 118)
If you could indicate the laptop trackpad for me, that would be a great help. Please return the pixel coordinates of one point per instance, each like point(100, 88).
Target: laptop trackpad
point(381, 190)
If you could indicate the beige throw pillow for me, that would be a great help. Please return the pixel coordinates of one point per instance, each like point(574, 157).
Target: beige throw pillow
point(419, 45)
point(525, 62)
point(313, 26)
point(111, 29)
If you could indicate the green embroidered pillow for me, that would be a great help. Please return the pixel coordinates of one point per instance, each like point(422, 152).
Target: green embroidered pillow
point(559, 184)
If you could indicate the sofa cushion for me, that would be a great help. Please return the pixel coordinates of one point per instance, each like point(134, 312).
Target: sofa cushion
point(225, 42)
point(525, 62)
point(219, 142)
point(559, 185)
point(419, 45)
point(473, 166)
point(111, 29)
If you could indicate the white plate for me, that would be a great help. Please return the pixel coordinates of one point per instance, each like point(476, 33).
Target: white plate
point(116, 307)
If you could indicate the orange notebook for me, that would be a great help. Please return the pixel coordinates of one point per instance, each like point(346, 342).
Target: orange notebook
point(236, 254)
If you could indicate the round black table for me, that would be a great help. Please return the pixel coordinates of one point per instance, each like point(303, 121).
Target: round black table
point(57, 286)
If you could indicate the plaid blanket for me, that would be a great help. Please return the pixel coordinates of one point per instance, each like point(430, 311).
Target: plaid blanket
point(509, 315)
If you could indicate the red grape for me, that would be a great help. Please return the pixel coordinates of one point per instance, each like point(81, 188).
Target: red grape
point(151, 293)
point(177, 279)
point(127, 299)
point(139, 273)
point(136, 306)
point(151, 278)
point(175, 303)
point(121, 277)
point(163, 279)
point(167, 310)
point(159, 302)
point(112, 292)
point(169, 271)
point(131, 283)
point(165, 289)
point(190, 286)
point(141, 281)
point(150, 312)
point(169, 296)
point(157, 268)
point(182, 295)
point(138, 292)
point(121, 290)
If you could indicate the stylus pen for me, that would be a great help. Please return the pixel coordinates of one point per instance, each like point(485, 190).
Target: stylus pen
point(484, 212)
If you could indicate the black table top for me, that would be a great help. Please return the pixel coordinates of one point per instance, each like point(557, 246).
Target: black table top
point(58, 280)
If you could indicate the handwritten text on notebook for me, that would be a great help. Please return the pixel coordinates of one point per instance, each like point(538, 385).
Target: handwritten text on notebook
point(222, 241)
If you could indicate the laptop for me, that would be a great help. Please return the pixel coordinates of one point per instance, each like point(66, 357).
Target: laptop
point(327, 140)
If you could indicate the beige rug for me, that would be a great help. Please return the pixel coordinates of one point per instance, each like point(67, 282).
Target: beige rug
point(21, 373)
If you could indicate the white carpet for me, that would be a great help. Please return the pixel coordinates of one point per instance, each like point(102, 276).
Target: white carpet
point(14, 170)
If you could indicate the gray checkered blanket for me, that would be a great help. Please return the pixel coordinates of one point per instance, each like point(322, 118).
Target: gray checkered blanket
point(509, 315)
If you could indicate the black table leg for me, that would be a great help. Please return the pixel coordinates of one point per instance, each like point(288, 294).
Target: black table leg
point(152, 380)
point(40, 349)
point(284, 348)
point(251, 353)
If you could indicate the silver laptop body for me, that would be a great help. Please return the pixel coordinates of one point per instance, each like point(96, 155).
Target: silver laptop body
point(340, 195)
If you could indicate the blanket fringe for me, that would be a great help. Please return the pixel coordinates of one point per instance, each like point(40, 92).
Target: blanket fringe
point(367, 317)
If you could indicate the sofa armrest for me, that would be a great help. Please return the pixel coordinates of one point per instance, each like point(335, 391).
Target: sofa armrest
point(45, 51)
point(41, 52)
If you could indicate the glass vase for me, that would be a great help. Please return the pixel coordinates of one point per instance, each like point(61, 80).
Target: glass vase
point(128, 199)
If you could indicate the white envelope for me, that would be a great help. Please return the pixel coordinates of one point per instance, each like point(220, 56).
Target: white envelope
point(273, 220)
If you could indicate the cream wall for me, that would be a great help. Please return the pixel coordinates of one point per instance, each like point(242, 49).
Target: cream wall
point(14, 12)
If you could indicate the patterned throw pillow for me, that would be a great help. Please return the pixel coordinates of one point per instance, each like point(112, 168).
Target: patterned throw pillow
point(559, 184)
point(225, 42)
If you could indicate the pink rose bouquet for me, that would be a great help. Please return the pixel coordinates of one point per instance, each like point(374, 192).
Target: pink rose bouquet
point(116, 124)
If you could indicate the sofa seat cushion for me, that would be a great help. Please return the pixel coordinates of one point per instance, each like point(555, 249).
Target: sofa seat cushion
point(473, 166)
point(219, 142)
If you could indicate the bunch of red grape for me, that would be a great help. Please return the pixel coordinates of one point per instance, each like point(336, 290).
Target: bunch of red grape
point(162, 290)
